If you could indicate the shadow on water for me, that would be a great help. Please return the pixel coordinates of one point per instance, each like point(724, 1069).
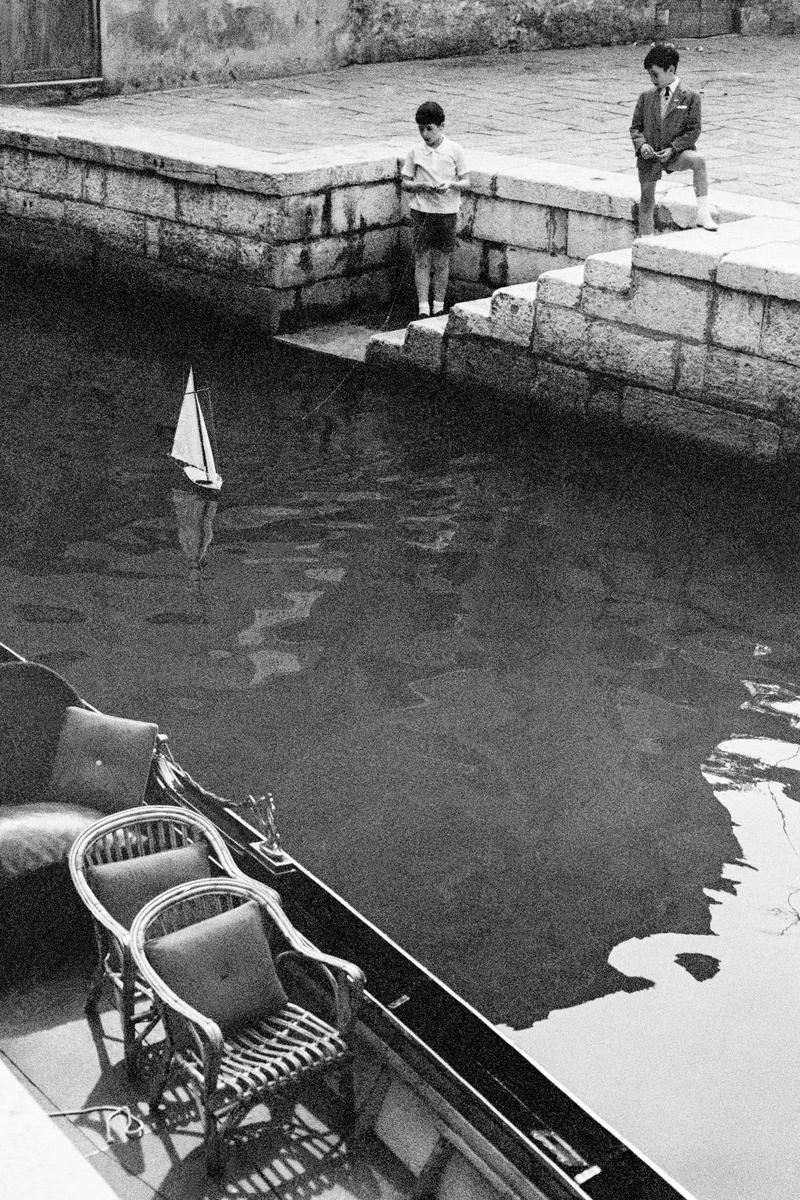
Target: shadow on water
point(479, 654)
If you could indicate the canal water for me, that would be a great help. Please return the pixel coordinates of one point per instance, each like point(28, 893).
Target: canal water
point(526, 697)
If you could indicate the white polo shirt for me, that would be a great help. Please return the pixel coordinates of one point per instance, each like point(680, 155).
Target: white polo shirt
point(435, 165)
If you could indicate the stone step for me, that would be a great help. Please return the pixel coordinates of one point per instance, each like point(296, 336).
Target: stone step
point(611, 272)
point(424, 344)
point(339, 340)
point(514, 313)
point(562, 288)
point(386, 349)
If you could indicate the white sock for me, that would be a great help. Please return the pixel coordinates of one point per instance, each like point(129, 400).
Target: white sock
point(438, 307)
point(424, 310)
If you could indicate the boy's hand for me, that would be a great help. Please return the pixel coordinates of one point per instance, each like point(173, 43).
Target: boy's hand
point(646, 151)
point(664, 155)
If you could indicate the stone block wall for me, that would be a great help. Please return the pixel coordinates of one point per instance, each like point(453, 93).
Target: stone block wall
point(285, 237)
point(692, 335)
point(274, 240)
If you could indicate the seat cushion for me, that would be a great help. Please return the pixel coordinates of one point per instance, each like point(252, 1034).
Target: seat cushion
point(124, 887)
point(222, 966)
point(38, 835)
point(101, 760)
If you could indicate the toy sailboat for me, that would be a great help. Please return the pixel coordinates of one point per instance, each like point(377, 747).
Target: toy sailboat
point(191, 445)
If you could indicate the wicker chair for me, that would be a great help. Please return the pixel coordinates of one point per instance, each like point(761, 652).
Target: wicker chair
point(221, 944)
point(118, 864)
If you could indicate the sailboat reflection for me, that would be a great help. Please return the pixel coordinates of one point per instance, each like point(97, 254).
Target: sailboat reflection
point(195, 514)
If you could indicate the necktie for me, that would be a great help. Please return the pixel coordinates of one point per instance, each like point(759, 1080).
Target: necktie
point(664, 101)
point(666, 93)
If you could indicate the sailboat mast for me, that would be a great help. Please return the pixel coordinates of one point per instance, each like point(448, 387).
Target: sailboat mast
point(202, 442)
point(212, 424)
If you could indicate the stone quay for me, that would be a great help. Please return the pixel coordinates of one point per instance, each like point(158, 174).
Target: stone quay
point(557, 303)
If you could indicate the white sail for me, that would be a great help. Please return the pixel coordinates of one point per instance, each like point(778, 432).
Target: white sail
point(191, 444)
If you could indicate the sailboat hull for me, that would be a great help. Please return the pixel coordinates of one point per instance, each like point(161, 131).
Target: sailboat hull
point(200, 480)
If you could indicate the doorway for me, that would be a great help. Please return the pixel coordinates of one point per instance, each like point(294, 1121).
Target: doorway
point(47, 41)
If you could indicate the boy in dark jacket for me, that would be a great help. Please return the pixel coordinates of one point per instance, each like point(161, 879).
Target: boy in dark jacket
point(665, 129)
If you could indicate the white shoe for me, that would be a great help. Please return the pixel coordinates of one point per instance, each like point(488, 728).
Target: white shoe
point(704, 218)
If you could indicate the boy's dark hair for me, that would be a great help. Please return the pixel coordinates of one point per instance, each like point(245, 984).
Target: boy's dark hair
point(429, 113)
point(664, 55)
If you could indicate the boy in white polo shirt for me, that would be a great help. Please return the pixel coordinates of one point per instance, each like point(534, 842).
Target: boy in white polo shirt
point(436, 175)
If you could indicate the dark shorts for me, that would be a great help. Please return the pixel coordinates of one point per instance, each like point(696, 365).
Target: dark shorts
point(650, 169)
point(434, 231)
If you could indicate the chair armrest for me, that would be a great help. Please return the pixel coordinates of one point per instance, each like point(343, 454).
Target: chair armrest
point(346, 982)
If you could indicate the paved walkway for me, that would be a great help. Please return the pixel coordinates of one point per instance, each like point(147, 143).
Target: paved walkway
point(570, 106)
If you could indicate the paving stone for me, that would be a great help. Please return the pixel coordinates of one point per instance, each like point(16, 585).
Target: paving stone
point(738, 318)
point(590, 233)
point(771, 270)
point(691, 421)
point(664, 303)
point(562, 334)
point(691, 375)
point(522, 266)
point(630, 354)
point(749, 383)
point(780, 334)
point(560, 386)
point(480, 362)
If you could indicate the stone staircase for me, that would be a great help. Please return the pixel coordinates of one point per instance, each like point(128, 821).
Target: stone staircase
point(507, 316)
point(690, 333)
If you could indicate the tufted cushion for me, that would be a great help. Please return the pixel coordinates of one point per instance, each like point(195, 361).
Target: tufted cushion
point(37, 835)
point(102, 760)
point(124, 887)
point(222, 966)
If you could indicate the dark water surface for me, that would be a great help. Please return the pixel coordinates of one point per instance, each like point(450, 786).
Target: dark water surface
point(480, 661)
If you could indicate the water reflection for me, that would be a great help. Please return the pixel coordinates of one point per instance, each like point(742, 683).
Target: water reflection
point(195, 516)
point(716, 1025)
point(479, 663)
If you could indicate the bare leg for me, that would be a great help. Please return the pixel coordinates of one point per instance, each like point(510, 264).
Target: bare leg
point(422, 279)
point(690, 160)
point(647, 205)
point(441, 275)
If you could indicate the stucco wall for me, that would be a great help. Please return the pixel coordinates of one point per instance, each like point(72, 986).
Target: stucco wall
point(397, 29)
point(150, 44)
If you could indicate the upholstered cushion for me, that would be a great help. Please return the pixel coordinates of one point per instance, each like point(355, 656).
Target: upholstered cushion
point(37, 835)
point(222, 966)
point(124, 887)
point(101, 760)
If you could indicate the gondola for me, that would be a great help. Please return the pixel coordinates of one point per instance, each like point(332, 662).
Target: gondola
point(444, 1107)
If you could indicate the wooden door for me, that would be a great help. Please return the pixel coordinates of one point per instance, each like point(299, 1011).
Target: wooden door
point(43, 40)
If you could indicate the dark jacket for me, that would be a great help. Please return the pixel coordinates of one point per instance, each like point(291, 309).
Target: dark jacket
point(681, 127)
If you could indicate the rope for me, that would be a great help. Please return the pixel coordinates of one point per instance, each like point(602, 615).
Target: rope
point(134, 1126)
point(354, 369)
